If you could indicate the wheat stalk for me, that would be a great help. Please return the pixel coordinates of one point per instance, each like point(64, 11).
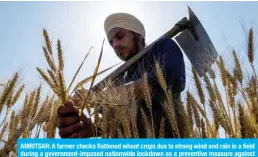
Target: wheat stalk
point(31, 103)
point(238, 74)
point(148, 129)
point(47, 79)
point(36, 102)
point(160, 76)
point(94, 76)
point(251, 51)
point(63, 93)
point(147, 98)
point(49, 59)
point(198, 86)
point(182, 119)
point(204, 134)
point(48, 42)
point(209, 88)
point(162, 128)
point(251, 46)
point(242, 121)
point(190, 110)
point(54, 79)
point(60, 56)
point(216, 115)
point(76, 73)
point(222, 69)
point(17, 95)
point(133, 111)
point(171, 116)
point(8, 90)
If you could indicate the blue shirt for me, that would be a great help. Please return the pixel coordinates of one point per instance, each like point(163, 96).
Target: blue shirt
point(168, 54)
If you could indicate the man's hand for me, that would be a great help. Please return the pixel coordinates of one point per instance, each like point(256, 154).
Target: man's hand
point(70, 124)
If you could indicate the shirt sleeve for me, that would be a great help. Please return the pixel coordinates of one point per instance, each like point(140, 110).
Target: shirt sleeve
point(168, 54)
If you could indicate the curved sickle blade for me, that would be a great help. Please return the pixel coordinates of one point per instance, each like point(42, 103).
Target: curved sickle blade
point(200, 51)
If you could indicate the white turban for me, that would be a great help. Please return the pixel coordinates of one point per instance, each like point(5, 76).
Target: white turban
point(125, 21)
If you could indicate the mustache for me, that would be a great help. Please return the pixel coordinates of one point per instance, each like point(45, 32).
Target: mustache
point(120, 47)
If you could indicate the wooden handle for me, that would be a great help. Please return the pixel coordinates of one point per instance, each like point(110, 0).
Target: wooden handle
point(180, 26)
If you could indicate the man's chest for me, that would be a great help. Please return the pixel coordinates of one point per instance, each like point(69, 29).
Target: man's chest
point(136, 72)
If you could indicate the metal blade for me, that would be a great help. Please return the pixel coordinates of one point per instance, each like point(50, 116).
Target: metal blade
point(200, 52)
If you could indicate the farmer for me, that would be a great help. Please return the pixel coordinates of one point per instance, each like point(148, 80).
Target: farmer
point(126, 35)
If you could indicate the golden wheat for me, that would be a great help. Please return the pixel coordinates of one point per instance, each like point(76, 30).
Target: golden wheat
point(119, 115)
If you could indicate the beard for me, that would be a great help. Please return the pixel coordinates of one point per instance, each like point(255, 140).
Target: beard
point(129, 55)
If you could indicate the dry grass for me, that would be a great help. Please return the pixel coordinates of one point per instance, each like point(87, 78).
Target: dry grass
point(208, 116)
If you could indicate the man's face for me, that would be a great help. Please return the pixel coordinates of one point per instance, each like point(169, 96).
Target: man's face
point(122, 42)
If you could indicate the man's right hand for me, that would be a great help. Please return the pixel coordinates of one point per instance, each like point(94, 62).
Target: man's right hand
point(70, 124)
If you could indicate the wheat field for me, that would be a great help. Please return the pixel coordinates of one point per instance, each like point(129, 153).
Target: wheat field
point(207, 113)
